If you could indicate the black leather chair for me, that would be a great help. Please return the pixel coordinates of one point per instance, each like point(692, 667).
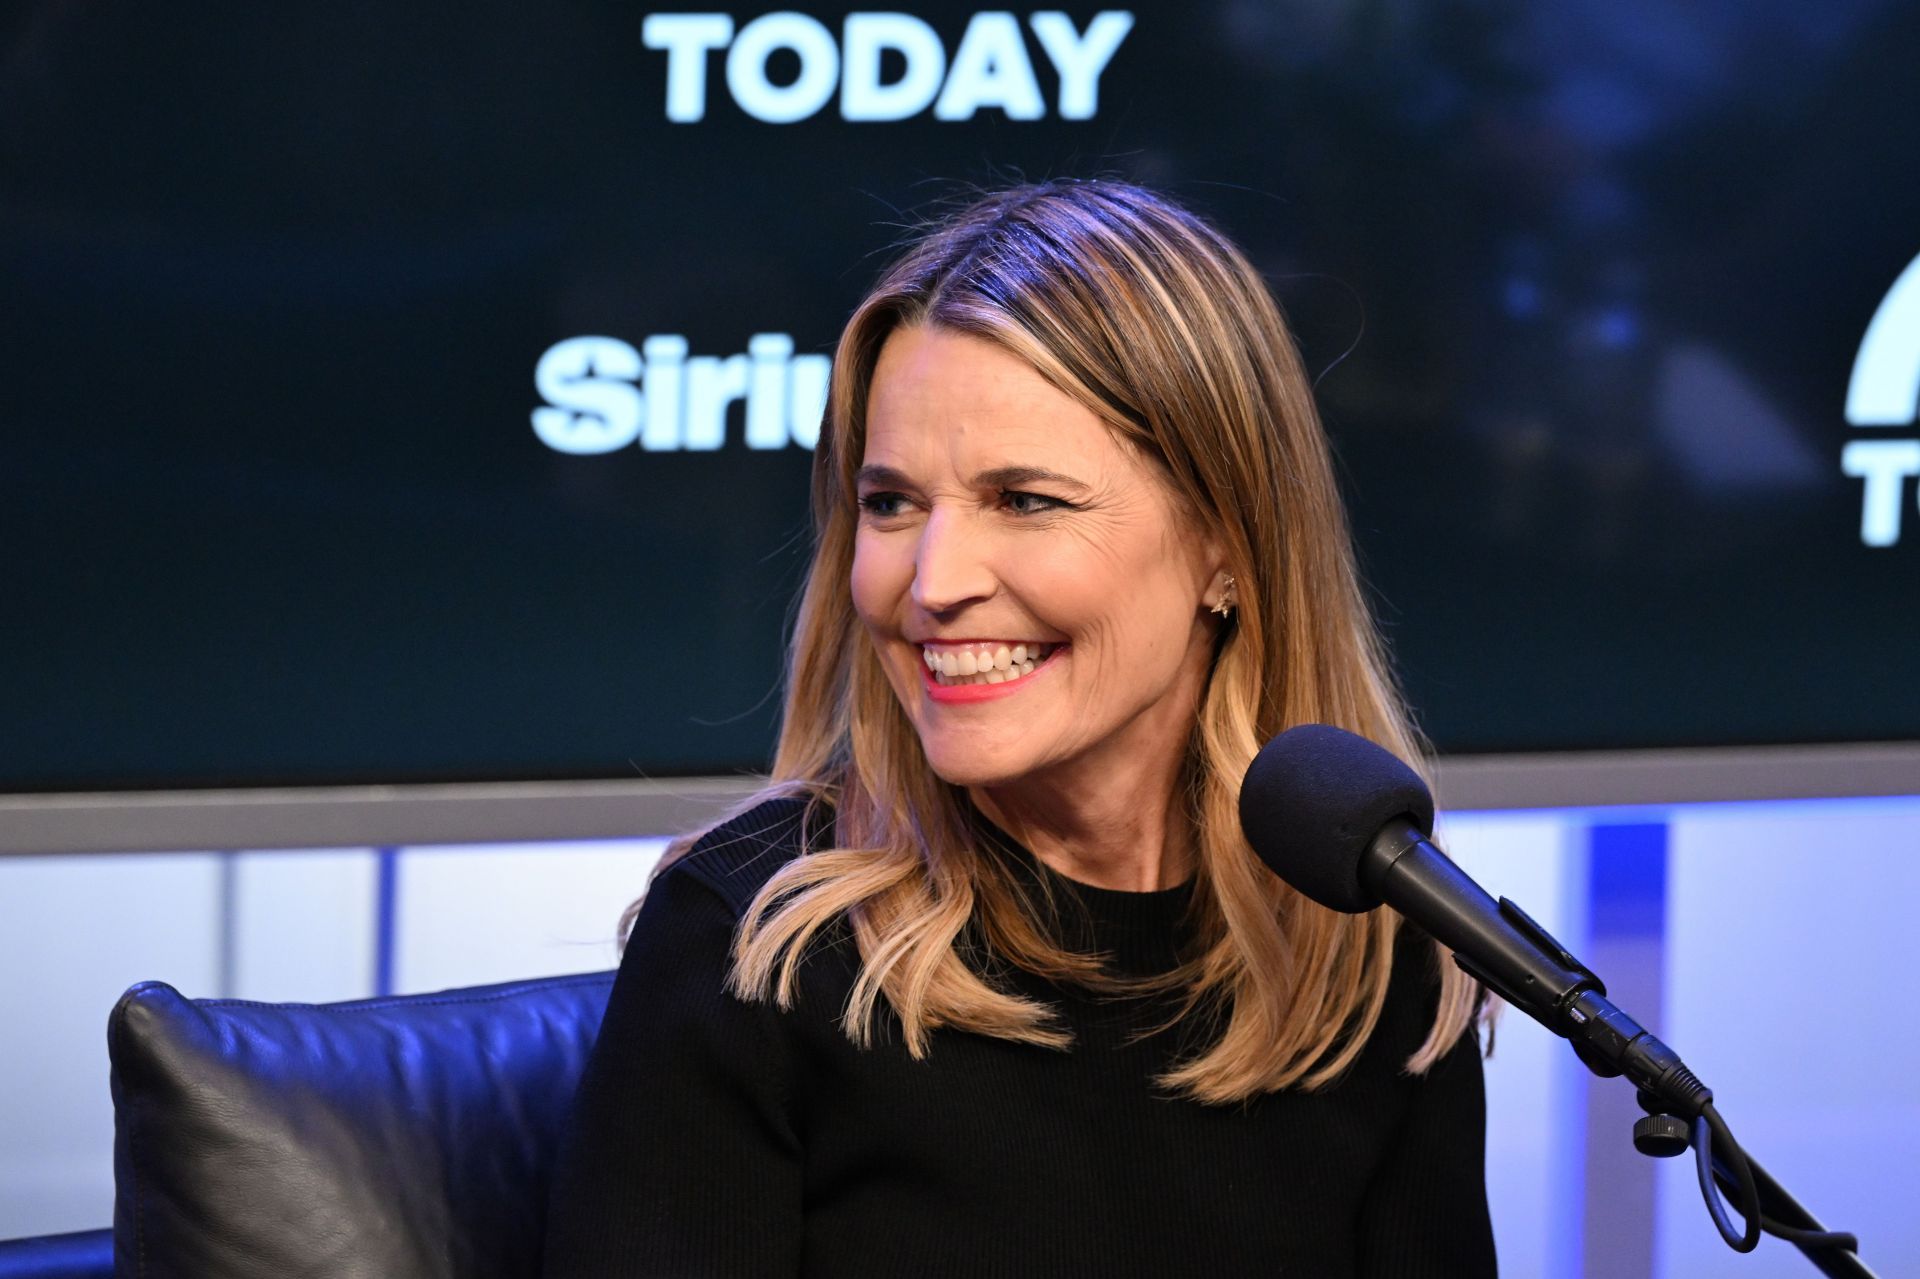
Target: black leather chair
point(390, 1138)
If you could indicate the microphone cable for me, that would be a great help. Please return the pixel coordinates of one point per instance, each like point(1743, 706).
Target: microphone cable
point(1711, 1135)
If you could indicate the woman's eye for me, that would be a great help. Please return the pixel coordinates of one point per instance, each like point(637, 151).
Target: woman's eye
point(1022, 503)
point(882, 504)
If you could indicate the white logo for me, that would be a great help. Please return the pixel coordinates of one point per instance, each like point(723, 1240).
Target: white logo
point(990, 69)
point(1885, 391)
point(603, 395)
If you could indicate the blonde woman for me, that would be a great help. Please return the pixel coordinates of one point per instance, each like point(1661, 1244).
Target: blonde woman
point(987, 981)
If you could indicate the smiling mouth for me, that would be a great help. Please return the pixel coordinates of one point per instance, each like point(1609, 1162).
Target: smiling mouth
point(952, 666)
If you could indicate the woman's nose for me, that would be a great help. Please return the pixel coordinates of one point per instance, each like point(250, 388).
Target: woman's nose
point(950, 566)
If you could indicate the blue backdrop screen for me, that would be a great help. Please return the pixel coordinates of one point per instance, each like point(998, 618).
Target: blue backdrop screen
point(404, 393)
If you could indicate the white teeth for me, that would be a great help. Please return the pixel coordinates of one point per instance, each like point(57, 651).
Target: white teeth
point(999, 665)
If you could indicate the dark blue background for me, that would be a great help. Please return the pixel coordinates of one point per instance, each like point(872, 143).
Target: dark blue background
point(1581, 285)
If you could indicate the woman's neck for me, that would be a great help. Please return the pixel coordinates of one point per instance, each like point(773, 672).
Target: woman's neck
point(1112, 828)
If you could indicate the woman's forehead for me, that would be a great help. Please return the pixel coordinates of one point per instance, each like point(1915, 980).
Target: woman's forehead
point(947, 399)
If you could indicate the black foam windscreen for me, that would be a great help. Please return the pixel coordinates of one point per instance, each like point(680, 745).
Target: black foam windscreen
point(1314, 798)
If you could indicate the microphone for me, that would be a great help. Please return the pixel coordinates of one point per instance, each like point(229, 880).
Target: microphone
point(1346, 824)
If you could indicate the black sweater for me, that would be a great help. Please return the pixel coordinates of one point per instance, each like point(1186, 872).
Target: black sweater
point(717, 1137)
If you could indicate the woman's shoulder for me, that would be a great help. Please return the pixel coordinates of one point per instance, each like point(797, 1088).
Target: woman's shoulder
point(735, 859)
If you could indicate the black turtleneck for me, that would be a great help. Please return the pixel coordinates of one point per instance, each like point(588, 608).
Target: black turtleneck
point(714, 1137)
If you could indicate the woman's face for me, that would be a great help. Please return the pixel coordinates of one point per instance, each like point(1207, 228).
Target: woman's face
point(1008, 540)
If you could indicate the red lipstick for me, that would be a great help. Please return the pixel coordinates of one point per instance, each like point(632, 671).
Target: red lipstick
point(953, 694)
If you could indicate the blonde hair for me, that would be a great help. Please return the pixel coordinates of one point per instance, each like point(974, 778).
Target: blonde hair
point(1155, 322)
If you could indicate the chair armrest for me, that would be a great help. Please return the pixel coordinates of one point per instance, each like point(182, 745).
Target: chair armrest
point(85, 1254)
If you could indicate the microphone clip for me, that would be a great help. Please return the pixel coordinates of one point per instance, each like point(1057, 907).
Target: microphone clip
point(1549, 1007)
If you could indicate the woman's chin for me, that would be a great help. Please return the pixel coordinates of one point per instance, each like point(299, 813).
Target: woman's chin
point(972, 769)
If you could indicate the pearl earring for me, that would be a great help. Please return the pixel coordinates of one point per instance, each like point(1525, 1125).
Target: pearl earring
point(1224, 605)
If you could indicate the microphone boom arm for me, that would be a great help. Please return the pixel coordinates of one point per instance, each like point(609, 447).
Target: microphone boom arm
point(1525, 965)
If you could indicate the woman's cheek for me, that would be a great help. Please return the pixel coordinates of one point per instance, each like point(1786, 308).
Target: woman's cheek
point(873, 596)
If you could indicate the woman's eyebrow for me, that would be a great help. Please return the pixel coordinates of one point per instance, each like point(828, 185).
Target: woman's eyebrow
point(1002, 477)
point(882, 475)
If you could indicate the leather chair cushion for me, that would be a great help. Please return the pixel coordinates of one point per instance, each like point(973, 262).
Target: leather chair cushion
point(404, 1136)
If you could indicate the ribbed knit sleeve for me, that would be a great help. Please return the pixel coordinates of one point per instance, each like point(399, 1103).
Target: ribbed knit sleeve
point(682, 1158)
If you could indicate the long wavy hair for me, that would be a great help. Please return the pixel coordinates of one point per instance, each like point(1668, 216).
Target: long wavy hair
point(1158, 324)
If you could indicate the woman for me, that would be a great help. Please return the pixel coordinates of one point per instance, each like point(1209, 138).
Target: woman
point(987, 982)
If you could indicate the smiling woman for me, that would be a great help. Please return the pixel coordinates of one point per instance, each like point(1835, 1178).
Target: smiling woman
point(999, 513)
point(988, 981)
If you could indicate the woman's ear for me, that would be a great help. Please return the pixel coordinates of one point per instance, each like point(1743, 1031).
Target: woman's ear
point(1224, 598)
point(1217, 595)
